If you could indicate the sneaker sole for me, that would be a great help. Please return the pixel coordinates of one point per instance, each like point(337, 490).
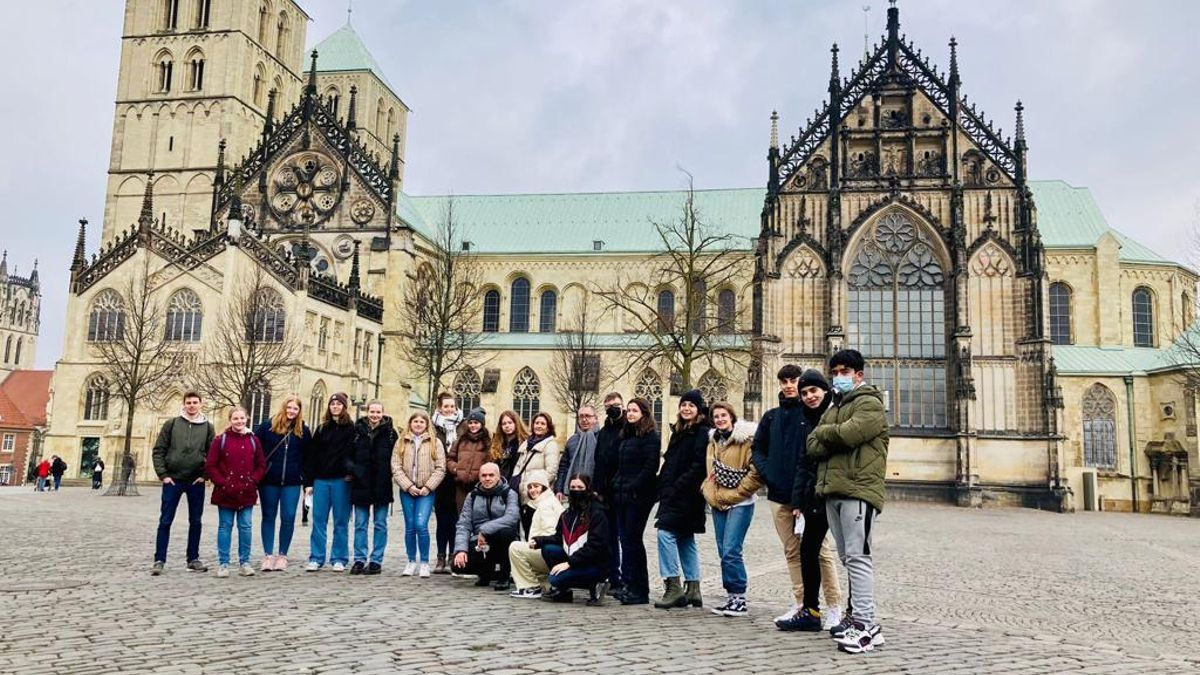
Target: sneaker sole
point(735, 615)
point(856, 649)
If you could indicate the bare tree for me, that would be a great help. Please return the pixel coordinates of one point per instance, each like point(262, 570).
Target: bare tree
point(137, 360)
point(686, 330)
point(577, 371)
point(252, 345)
point(441, 308)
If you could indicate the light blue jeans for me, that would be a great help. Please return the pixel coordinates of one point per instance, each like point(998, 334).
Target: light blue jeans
point(378, 514)
point(330, 494)
point(416, 525)
point(225, 533)
point(280, 500)
point(730, 528)
point(677, 551)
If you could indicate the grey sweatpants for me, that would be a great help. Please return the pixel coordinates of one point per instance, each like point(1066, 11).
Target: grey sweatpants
point(850, 521)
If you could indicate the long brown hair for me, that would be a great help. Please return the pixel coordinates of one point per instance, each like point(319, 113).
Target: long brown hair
point(646, 425)
point(280, 423)
point(497, 452)
point(344, 418)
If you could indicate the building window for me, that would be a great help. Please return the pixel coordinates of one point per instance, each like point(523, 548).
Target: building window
point(1099, 427)
point(649, 387)
point(491, 311)
point(196, 73)
point(316, 404)
point(7, 349)
point(166, 70)
point(666, 311)
point(268, 319)
point(897, 319)
point(713, 386)
point(6, 474)
point(281, 35)
point(1143, 318)
point(184, 316)
point(548, 312)
point(203, 12)
point(467, 388)
point(527, 391)
point(726, 312)
point(518, 306)
point(259, 85)
point(333, 98)
point(258, 402)
point(380, 129)
point(106, 321)
point(264, 18)
point(17, 355)
point(10, 442)
point(170, 14)
point(95, 401)
point(1060, 313)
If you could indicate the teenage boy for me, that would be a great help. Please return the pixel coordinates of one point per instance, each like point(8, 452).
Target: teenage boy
point(179, 455)
point(850, 445)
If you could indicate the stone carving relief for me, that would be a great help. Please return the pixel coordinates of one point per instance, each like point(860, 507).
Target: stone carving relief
point(304, 189)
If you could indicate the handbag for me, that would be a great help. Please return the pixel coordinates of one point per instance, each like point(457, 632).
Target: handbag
point(726, 476)
point(514, 481)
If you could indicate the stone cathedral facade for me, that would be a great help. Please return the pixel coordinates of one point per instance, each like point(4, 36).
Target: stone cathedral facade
point(1029, 353)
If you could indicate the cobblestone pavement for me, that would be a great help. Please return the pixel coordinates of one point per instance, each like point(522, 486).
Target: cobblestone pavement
point(960, 591)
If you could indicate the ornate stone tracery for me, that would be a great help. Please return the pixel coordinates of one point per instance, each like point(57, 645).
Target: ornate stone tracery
point(304, 189)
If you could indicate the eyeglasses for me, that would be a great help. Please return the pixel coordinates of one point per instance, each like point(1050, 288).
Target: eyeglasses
point(583, 415)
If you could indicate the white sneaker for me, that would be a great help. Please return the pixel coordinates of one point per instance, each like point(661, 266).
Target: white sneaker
point(409, 569)
point(830, 617)
point(223, 572)
point(312, 567)
point(247, 570)
point(860, 638)
point(788, 614)
point(424, 570)
point(339, 567)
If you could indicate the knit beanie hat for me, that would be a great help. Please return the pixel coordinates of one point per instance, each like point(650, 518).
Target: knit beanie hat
point(538, 476)
point(695, 398)
point(339, 396)
point(477, 415)
point(811, 377)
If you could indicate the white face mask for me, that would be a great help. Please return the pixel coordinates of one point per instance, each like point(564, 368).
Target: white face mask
point(842, 384)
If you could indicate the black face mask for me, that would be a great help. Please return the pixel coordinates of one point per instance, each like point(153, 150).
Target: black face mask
point(613, 412)
point(577, 500)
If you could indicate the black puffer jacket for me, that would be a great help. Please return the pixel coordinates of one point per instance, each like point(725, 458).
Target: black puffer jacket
point(804, 489)
point(637, 464)
point(608, 441)
point(327, 455)
point(779, 444)
point(680, 502)
point(371, 463)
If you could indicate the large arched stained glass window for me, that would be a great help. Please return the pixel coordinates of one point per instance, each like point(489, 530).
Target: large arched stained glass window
point(1099, 427)
point(713, 386)
point(184, 316)
point(106, 321)
point(1060, 313)
point(518, 306)
point(95, 402)
point(1143, 318)
point(527, 393)
point(897, 319)
point(649, 386)
point(467, 388)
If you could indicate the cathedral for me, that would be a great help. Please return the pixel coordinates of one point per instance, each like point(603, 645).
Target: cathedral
point(1030, 354)
point(20, 317)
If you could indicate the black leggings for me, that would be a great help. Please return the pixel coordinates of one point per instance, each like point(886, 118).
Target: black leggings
point(447, 519)
point(816, 526)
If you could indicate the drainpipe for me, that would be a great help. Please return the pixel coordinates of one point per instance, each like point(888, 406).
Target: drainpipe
point(1132, 440)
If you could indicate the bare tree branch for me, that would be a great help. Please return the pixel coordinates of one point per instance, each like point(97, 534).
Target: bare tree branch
point(577, 369)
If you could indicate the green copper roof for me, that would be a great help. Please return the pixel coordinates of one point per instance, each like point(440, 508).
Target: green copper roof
point(344, 50)
point(1068, 217)
point(1084, 360)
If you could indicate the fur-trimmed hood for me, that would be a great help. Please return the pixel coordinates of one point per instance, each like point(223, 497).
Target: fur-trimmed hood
point(743, 432)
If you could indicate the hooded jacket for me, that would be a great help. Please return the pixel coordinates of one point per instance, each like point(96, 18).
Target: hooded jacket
point(588, 536)
point(734, 452)
point(850, 446)
point(371, 463)
point(469, 452)
point(419, 461)
point(181, 448)
point(680, 502)
point(285, 454)
point(327, 455)
point(779, 443)
point(236, 466)
point(492, 512)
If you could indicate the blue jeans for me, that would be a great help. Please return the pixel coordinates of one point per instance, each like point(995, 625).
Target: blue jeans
point(676, 551)
point(171, 494)
point(225, 533)
point(416, 525)
point(378, 514)
point(575, 577)
point(631, 524)
point(282, 500)
point(730, 528)
point(330, 494)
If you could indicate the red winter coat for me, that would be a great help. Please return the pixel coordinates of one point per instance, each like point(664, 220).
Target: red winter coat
point(44, 468)
point(235, 465)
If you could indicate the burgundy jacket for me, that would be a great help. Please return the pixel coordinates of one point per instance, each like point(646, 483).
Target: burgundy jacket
point(235, 465)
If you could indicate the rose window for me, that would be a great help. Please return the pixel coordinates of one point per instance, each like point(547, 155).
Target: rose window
point(305, 190)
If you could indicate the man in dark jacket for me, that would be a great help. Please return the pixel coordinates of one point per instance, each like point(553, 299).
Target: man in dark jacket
point(608, 439)
point(57, 468)
point(486, 527)
point(851, 445)
point(179, 455)
point(579, 457)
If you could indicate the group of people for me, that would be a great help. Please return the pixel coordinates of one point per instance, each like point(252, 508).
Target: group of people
point(49, 474)
point(524, 516)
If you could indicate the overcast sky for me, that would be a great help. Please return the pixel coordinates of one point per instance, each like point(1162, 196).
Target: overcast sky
point(573, 95)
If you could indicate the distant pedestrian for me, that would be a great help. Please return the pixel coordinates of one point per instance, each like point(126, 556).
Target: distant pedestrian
point(418, 468)
point(180, 453)
point(284, 438)
point(57, 468)
point(326, 461)
point(97, 474)
point(730, 488)
point(633, 489)
point(446, 421)
point(43, 475)
point(680, 514)
point(236, 466)
point(371, 487)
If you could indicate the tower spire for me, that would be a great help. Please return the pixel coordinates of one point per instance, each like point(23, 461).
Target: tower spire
point(146, 217)
point(78, 260)
point(954, 79)
point(354, 278)
point(311, 89)
point(775, 129)
point(351, 124)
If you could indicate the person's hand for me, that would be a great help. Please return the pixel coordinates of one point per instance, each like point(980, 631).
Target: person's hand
point(168, 481)
point(460, 559)
point(533, 544)
point(560, 568)
point(308, 491)
point(424, 492)
point(481, 540)
point(414, 491)
point(198, 481)
point(797, 513)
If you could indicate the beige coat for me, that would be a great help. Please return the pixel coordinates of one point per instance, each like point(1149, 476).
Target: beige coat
point(544, 456)
point(547, 508)
point(734, 453)
point(430, 462)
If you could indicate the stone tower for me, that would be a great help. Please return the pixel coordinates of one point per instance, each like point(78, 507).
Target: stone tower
point(194, 72)
point(20, 317)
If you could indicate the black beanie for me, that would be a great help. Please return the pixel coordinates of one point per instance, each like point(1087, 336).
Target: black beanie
point(477, 415)
point(811, 377)
point(695, 398)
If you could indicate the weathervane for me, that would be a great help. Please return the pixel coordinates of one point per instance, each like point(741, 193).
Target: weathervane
point(866, 30)
point(349, 10)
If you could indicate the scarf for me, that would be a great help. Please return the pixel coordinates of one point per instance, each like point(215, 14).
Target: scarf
point(449, 425)
point(722, 436)
point(583, 460)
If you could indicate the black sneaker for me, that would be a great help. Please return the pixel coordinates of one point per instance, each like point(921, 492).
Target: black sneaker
point(197, 565)
point(631, 599)
point(720, 611)
point(596, 595)
point(157, 568)
point(737, 608)
point(806, 620)
point(357, 567)
point(374, 568)
point(840, 630)
point(505, 585)
point(559, 595)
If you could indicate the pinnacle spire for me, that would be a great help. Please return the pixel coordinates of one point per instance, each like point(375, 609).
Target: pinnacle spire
point(78, 260)
point(219, 179)
point(311, 89)
point(351, 124)
point(394, 171)
point(835, 77)
point(954, 79)
point(4, 264)
point(270, 122)
point(1020, 108)
point(774, 129)
point(146, 217)
point(354, 278)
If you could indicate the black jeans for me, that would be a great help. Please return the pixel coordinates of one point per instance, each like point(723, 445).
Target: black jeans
point(816, 525)
point(614, 547)
point(445, 511)
point(631, 524)
point(483, 565)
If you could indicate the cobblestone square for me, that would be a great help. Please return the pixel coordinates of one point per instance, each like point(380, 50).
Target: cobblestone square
point(960, 591)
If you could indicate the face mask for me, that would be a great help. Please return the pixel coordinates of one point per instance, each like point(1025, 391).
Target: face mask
point(577, 499)
point(842, 384)
point(613, 412)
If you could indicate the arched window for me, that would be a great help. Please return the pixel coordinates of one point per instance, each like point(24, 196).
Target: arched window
point(391, 124)
point(897, 319)
point(258, 402)
point(380, 129)
point(166, 72)
point(548, 312)
point(203, 12)
point(264, 21)
point(106, 321)
point(95, 400)
point(267, 318)
point(713, 386)
point(7, 349)
point(527, 392)
point(316, 404)
point(170, 14)
point(17, 354)
point(467, 388)
point(260, 77)
point(491, 311)
point(666, 310)
point(1060, 313)
point(649, 386)
point(195, 65)
point(726, 312)
point(333, 98)
point(281, 35)
point(518, 306)
point(1143, 318)
point(1099, 427)
point(184, 316)
point(1188, 307)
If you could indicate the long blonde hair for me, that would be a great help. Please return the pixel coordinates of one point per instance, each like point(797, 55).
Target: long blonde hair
point(279, 423)
point(497, 452)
